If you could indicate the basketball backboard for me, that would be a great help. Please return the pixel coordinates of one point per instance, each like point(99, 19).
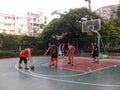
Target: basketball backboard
point(93, 25)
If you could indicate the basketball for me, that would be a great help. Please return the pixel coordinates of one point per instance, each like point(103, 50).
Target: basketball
point(32, 67)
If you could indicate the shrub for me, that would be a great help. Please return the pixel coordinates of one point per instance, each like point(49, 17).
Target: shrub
point(7, 54)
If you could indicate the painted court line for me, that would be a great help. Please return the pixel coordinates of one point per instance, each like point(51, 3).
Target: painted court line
point(67, 81)
point(73, 75)
point(87, 66)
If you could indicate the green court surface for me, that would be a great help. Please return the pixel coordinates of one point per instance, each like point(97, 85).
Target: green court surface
point(99, 77)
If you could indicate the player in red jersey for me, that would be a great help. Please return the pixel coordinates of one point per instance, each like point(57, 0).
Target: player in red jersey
point(23, 56)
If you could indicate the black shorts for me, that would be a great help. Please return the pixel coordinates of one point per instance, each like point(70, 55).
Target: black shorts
point(23, 59)
point(95, 54)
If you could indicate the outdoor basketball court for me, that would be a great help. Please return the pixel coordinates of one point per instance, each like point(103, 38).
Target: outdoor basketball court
point(84, 75)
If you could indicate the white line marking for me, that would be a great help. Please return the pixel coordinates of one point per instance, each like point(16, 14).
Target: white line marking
point(74, 82)
point(73, 74)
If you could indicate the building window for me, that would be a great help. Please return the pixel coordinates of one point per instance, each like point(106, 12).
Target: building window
point(21, 25)
point(45, 22)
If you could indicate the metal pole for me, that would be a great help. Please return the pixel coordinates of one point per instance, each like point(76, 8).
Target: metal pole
point(99, 36)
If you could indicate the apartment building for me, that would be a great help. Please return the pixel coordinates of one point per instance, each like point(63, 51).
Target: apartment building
point(22, 24)
point(106, 11)
point(7, 23)
point(35, 22)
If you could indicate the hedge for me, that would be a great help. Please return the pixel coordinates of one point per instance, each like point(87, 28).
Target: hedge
point(7, 54)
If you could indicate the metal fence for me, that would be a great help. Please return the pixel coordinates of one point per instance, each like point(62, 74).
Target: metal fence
point(108, 44)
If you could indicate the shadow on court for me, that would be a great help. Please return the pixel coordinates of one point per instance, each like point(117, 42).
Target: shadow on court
point(84, 75)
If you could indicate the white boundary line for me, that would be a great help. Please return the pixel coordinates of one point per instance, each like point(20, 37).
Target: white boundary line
point(83, 83)
point(74, 74)
point(82, 73)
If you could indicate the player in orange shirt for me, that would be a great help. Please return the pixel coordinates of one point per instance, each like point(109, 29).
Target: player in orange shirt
point(23, 56)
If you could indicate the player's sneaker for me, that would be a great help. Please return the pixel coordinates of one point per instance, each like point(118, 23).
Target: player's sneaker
point(69, 62)
point(26, 68)
point(20, 67)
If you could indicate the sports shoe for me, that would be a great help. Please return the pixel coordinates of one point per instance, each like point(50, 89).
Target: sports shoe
point(20, 67)
point(52, 64)
point(69, 62)
point(26, 68)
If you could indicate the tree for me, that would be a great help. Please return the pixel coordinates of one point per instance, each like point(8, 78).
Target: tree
point(114, 26)
point(118, 10)
point(9, 42)
point(89, 4)
point(68, 26)
point(118, 15)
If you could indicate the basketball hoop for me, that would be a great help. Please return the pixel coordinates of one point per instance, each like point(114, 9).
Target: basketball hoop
point(89, 32)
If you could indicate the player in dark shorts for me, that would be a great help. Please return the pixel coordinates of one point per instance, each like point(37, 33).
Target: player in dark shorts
point(54, 55)
point(95, 54)
point(23, 57)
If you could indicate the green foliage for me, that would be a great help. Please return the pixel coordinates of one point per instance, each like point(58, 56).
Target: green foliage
point(115, 17)
point(69, 23)
point(113, 49)
point(27, 41)
point(8, 42)
point(7, 54)
point(118, 11)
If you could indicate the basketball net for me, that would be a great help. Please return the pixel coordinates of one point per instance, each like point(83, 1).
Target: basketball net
point(89, 32)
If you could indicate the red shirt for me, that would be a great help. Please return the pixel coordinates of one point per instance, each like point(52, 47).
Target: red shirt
point(24, 52)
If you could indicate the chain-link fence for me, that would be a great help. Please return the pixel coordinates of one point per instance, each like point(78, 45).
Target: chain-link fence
point(108, 44)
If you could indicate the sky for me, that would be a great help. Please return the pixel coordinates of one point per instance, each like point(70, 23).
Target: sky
point(49, 6)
